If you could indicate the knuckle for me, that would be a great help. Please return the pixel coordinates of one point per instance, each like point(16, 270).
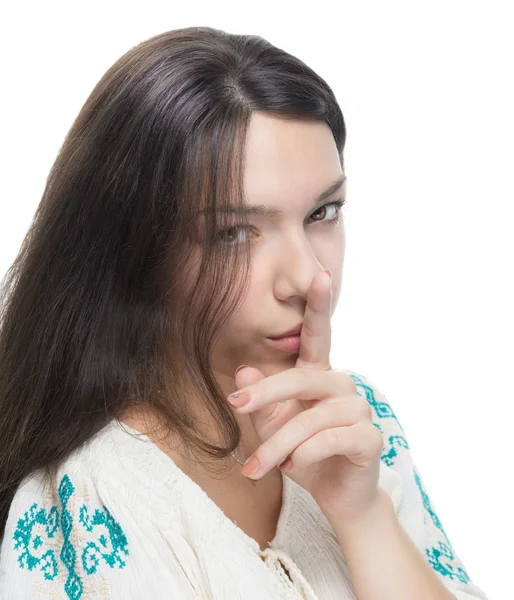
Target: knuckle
point(303, 423)
point(378, 439)
point(306, 374)
point(365, 408)
point(345, 382)
point(332, 436)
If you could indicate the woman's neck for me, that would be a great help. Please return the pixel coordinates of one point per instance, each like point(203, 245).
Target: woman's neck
point(254, 506)
point(143, 420)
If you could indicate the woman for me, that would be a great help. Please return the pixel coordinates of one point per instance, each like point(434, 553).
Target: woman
point(140, 288)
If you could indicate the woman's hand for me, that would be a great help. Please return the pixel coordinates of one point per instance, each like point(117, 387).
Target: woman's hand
point(325, 428)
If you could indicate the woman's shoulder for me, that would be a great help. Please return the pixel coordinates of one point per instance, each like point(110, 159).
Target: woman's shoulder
point(80, 528)
point(91, 473)
point(115, 467)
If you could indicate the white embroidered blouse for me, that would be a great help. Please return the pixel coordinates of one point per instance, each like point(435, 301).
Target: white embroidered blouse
point(122, 522)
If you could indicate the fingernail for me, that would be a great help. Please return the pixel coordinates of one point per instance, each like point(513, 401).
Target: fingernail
point(239, 399)
point(239, 368)
point(329, 274)
point(250, 467)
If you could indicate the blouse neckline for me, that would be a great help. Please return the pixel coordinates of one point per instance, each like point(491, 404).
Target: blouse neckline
point(195, 490)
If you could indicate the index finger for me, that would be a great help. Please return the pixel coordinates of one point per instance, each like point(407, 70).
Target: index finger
point(315, 338)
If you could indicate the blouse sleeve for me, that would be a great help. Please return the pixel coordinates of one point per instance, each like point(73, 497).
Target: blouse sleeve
point(69, 539)
point(416, 511)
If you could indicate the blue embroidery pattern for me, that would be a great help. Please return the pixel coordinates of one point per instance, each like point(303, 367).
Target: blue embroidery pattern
point(52, 521)
point(443, 551)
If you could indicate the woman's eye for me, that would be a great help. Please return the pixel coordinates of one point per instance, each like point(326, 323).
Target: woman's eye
point(338, 204)
point(226, 236)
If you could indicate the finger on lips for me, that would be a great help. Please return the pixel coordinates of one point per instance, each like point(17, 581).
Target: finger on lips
point(312, 379)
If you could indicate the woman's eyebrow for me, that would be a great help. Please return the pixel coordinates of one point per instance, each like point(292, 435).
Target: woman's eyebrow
point(273, 212)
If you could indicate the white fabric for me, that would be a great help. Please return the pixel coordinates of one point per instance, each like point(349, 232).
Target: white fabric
point(122, 521)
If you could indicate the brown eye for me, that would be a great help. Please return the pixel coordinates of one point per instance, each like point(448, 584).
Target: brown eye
point(228, 235)
point(322, 208)
point(337, 204)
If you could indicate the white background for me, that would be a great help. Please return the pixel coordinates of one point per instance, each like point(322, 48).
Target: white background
point(426, 306)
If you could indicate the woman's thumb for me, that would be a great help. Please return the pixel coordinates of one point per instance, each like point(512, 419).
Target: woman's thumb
point(246, 375)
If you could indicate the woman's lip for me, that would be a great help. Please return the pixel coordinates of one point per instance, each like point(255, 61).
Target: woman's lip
point(289, 343)
point(296, 330)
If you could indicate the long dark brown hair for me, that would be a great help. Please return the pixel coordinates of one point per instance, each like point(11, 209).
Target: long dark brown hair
point(95, 316)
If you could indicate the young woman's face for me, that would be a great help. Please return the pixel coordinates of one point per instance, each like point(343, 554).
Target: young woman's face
point(288, 165)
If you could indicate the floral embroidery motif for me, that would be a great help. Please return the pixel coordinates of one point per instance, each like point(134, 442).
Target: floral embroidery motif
point(28, 538)
point(440, 556)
